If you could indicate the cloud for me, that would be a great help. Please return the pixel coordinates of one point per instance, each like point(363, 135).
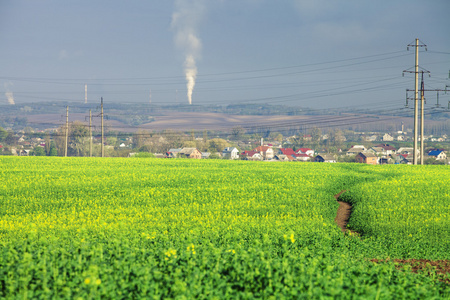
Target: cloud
point(63, 54)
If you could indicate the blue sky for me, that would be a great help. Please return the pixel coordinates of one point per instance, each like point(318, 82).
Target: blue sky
point(319, 54)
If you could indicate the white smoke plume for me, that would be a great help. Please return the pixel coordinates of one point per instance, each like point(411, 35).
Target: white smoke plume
point(185, 21)
point(9, 94)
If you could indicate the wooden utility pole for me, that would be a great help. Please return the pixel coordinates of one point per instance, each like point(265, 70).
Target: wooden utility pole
point(101, 114)
point(67, 132)
point(90, 133)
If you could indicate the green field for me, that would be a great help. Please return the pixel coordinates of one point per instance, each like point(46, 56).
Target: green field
point(188, 229)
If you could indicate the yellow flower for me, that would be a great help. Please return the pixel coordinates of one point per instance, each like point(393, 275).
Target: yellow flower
point(87, 281)
point(171, 252)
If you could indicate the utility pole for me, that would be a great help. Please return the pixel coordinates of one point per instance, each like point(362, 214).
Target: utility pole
point(101, 114)
point(416, 100)
point(90, 133)
point(416, 45)
point(422, 122)
point(67, 132)
point(422, 113)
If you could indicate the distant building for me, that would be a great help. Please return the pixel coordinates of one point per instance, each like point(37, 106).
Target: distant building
point(367, 158)
point(306, 151)
point(286, 151)
point(405, 150)
point(302, 157)
point(388, 138)
point(230, 153)
point(173, 153)
point(283, 157)
point(383, 149)
point(438, 154)
point(355, 149)
point(251, 155)
point(403, 158)
point(265, 151)
point(192, 153)
point(328, 158)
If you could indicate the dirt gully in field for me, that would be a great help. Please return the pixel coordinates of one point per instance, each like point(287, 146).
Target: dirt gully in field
point(438, 268)
point(343, 214)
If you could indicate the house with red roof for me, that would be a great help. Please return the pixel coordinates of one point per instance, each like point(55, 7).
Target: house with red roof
point(306, 151)
point(388, 149)
point(286, 151)
point(403, 158)
point(251, 155)
point(265, 151)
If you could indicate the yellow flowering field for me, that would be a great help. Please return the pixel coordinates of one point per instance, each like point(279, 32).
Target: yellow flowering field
point(156, 228)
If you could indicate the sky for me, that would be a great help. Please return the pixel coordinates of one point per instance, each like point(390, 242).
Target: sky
point(319, 54)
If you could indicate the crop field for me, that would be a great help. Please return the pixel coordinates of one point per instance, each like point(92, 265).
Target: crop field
point(187, 229)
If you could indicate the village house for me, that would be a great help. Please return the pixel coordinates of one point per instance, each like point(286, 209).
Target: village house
point(388, 148)
point(387, 138)
point(383, 150)
point(286, 151)
point(282, 157)
point(172, 153)
point(328, 158)
point(371, 138)
point(366, 158)
point(251, 155)
point(192, 153)
point(307, 137)
point(405, 150)
point(306, 151)
point(265, 151)
point(302, 157)
point(437, 154)
point(230, 153)
point(25, 152)
point(403, 158)
point(355, 149)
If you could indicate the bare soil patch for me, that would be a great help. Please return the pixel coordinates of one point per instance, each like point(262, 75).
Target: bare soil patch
point(435, 268)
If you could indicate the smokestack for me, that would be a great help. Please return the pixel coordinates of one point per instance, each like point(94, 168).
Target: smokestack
point(9, 94)
point(185, 21)
point(85, 93)
point(150, 97)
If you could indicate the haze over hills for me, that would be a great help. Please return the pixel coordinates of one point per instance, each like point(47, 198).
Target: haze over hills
point(252, 118)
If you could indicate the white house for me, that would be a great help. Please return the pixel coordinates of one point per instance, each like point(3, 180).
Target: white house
point(388, 138)
point(355, 149)
point(230, 153)
point(265, 151)
point(306, 151)
point(405, 150)
point(438, 154)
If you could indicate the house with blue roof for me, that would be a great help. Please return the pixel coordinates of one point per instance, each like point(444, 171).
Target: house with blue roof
point(437, 154)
